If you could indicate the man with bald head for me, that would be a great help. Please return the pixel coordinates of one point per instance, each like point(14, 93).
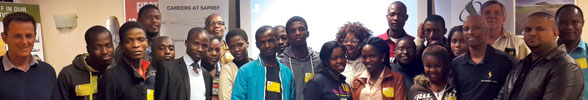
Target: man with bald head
point(503, 40)
point(548, 73)
point(570, 21)
point(480, 72)
point(396, 16)
point(215, 26)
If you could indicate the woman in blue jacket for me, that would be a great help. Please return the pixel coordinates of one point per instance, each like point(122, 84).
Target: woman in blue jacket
point(329, 83)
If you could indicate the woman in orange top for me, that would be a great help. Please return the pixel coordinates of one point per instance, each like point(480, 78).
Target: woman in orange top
point(377, 82)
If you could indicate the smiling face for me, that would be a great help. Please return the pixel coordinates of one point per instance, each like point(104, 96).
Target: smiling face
point(475, 31)
point(298, 34)
point(540, 33)
point(216, 26)
point(372, 58)
point(458, 44)
point(434, 69)
point(352, 44)
point(405, 52)
point(570, 24)
point(338, 60)
point(197, 46)
point(20, 38)
point(135, 44)
point(101, 49)
point(238, 48)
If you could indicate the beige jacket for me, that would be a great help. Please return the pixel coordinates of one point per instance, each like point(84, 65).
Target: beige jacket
point(509, 40)
point(352, 69)
point(226, 80)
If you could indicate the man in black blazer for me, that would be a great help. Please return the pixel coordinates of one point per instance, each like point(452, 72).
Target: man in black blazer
point(183, 78)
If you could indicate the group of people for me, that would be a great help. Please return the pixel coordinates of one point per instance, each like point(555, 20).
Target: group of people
point(479, 60)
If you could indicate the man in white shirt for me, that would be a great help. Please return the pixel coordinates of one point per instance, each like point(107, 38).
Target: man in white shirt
point(183, 78)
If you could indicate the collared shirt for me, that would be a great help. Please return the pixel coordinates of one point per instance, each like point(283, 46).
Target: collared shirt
point(372, 91)
point(392, 41)
point(8, 65)
point(580, 53)
point(482, 80)
point(197, 89)
point(512, 45)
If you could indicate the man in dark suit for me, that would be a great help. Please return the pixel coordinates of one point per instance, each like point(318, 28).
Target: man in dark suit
point(183, 78)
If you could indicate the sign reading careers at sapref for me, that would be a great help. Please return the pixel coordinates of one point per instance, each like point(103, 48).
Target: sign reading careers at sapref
point(33, 10)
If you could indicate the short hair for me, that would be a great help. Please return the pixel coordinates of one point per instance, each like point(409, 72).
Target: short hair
point(440, 53)
point(145, 8)
point(93, 31)
point(436, 18)
point(410, 42)
point(236, 32)
point(492, 2)
point(159, 40)
point(263, 29)
point(327, 51)
point(546, 16)
point(122, 33)
point(381, 46)
point(542, 15)
point(570, 6)
point(196, 31)
point(355, 28)
point(20, 17)
point(207, 20)
point(458, 28)
point(279, 27)
point(400, 4)
point(295, 19)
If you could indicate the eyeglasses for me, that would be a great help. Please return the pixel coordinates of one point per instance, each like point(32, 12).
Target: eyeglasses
point(354, 41)
point(219, 23)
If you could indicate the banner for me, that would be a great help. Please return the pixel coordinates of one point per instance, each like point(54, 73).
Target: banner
point(132, 8)
point(33, 10)
point(179, 16)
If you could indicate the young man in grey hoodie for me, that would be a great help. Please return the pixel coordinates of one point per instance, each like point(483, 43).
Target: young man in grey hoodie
point(79, 80)
point(301, 59)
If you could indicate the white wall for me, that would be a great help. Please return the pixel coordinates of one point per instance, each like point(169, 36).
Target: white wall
point(62, 46)
point(324, 17)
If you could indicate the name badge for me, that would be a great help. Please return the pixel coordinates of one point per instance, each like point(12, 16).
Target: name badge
point(307, 77)
point(83, 90)
point(582, 63)
point(150, 94)
point(511, 51)
point(388, 91)
point(273, 86)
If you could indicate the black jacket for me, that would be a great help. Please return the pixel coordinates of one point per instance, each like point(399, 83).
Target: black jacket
point(173, 82)
point(323, 86)
point(73, 75)
point(555, 76)
point(122, 82)
point(420, 90)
